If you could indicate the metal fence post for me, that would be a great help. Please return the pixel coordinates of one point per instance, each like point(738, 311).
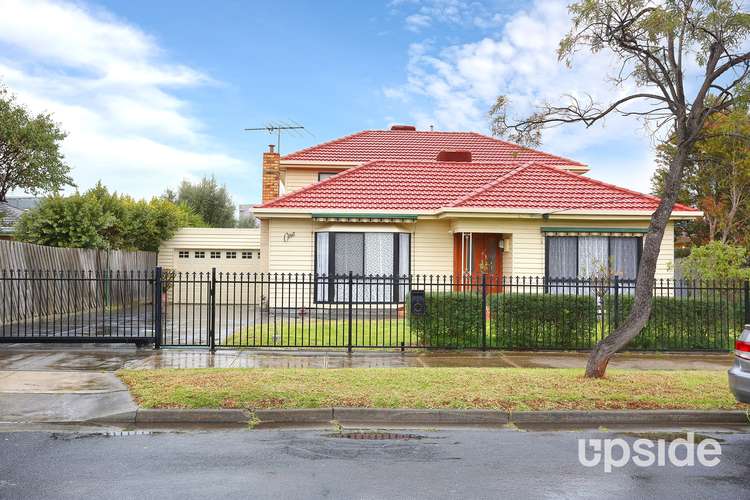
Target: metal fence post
point(484, 312)
point(747, 302)
point(351, 290)
point(158, 290)
point(212, 324)
point(616, 302)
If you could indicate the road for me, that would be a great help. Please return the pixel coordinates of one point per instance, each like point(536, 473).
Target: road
point(308, 463)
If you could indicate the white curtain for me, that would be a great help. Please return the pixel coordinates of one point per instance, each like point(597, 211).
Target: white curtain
point(321, 265)
point(562, 256)
point(378, 264)
point(348, 256)
point(404, 261)
point(593, 255)
point(625, 261)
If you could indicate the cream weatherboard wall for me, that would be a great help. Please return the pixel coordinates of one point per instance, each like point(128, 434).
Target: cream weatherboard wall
point(291, 242)
point(297, 178)
point(526, 255)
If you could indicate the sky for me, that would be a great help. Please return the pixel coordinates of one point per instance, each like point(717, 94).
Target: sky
point(151, 93)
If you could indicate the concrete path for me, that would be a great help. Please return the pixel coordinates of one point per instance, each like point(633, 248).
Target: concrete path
point(60, 386)
point(75, 357)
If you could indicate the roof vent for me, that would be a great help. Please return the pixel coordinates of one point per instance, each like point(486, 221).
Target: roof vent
point(403, 127)
point(454, 155)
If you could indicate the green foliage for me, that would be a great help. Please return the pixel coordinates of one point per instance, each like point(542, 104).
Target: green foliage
point(30, 157)
point(533, 321)
point(717, 261)
point(451, 319)
point(207, 199)
point(685, 323)
point(716, 177)
point(100, 219)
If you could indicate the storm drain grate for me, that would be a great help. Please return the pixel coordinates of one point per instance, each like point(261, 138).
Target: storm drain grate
point(377, 436)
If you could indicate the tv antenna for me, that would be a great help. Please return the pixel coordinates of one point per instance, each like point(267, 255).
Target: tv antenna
point(277, 127)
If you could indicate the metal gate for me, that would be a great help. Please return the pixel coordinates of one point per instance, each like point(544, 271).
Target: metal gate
point(77, 306)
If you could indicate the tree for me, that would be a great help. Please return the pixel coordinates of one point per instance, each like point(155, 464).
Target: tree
point(30, 156)
point(717, 261)
point(209, 200)
point(103, 220)
point(657, 44)
point(717, 176)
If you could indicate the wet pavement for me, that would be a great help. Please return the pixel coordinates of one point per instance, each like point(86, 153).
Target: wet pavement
point(318, 463)
point(78, 357)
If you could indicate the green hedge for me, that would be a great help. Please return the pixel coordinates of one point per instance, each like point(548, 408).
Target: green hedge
point(543, 321)
point(676, 323)
point(451, 319)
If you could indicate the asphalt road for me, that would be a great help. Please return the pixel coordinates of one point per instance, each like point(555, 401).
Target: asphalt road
point(308, 464)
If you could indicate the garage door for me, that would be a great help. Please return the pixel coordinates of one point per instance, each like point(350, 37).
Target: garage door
point(193, 267)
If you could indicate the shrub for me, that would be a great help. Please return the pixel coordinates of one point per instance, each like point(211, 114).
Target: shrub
point(451, 319)
point(717, 260)
point(684, 323)
point(533, 321)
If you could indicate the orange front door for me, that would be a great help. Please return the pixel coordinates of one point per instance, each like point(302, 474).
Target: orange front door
point(475, 255)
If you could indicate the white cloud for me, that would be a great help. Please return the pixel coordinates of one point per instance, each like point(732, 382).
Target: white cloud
point(425, 13)
point(110, 86)
point(454, 87)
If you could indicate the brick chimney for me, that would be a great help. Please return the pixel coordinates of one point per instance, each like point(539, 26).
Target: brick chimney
point(271, 174)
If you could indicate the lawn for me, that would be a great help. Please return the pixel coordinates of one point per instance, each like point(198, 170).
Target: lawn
point(511, 389)
point(324, 333)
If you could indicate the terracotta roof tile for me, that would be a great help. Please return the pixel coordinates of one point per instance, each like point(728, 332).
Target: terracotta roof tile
point(423, 146)
point(431, 185)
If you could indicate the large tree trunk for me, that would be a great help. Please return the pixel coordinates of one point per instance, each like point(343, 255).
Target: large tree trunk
point(641, 310)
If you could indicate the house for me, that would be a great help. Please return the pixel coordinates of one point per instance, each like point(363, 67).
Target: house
point(11, 210)
point(402, 201)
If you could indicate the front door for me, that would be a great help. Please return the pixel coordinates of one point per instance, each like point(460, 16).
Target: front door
point(475, 254)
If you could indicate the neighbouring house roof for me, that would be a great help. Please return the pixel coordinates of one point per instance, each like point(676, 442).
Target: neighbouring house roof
point(9, 215)
point(422, 145)
point(435, 185)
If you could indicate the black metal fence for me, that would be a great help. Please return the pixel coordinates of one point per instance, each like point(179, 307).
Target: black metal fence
point(239, 310)
point(76, 306)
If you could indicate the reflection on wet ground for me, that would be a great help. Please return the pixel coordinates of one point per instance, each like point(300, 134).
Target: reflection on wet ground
point(110, 357)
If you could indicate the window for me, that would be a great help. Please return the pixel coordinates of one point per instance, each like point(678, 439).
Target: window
point(373, 258)
point(183, 254)
point(259, 254)
point(571, 257)
point(199, 255)
point(247, 254)
point(325, 175)
point(215, 255)
point(231, 255)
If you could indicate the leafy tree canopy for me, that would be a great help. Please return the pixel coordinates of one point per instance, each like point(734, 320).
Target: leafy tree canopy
point(717, 260)
point(100, 219)
point(30, 156)
point(207, 199)
point(716, 178)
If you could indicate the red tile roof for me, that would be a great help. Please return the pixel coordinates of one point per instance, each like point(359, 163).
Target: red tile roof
point(420, 145)
point(432, 185)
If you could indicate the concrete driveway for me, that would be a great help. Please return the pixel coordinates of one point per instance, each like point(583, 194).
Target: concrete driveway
point(61, 385)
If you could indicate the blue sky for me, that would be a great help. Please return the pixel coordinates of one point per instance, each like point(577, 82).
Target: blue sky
point(154, 92)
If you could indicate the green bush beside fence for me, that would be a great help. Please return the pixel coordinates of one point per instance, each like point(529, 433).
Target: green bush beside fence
point(451, 319)
point(549, 321)
point(677, 323)
point(543, 321)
